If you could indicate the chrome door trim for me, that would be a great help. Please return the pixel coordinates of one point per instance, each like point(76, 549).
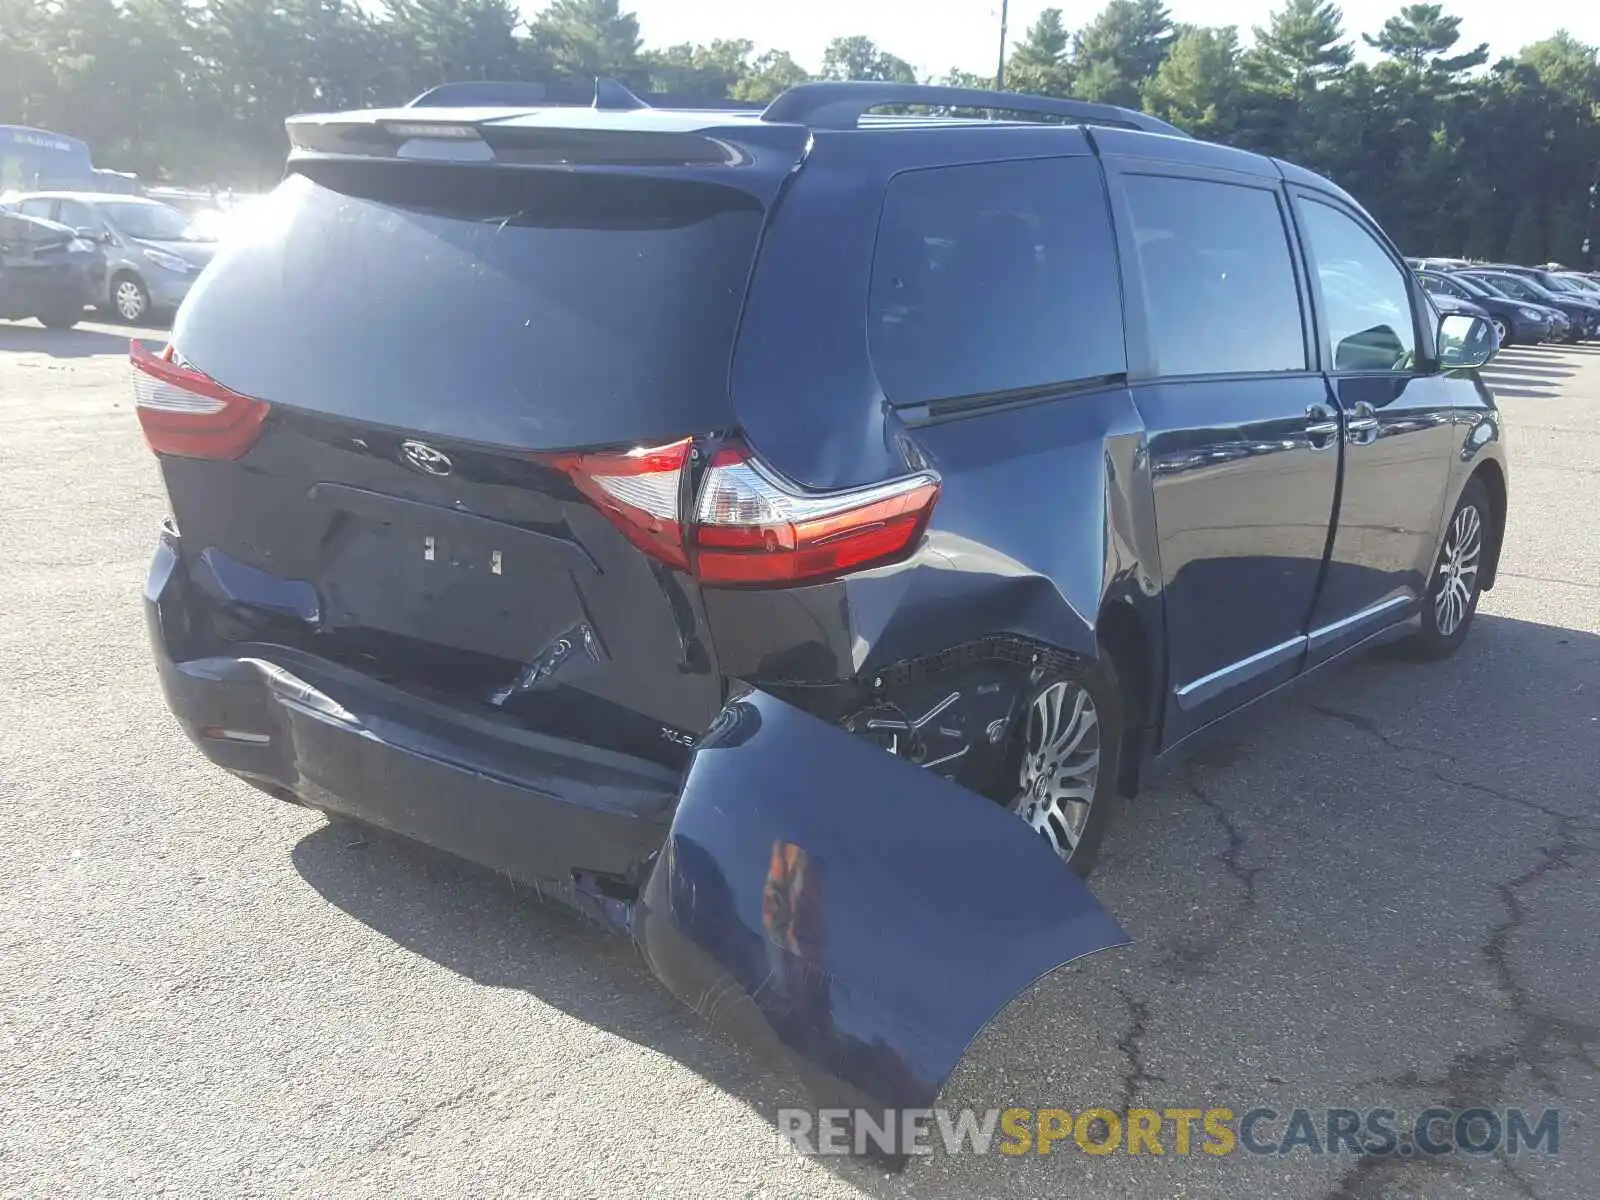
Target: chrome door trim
point(1334, 630)
point(1208, 687)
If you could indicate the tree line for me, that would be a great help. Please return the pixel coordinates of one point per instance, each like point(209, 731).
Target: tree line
point(1453, 152)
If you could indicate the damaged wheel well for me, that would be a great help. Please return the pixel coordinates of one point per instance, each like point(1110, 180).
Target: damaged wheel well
point(957, 711)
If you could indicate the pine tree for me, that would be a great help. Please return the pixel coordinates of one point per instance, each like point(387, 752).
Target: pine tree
point(1302, 46)
point(1040, 61)
point(1120, 50)
point(582, 39)
point(1197, 87)
point(1421, 36)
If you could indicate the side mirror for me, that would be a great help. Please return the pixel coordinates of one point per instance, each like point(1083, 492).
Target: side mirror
point(1465, 342)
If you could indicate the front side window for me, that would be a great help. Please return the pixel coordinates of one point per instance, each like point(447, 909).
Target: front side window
point(36, 207)
point(1218, 281)
point(992, 278)
point(1364, 294)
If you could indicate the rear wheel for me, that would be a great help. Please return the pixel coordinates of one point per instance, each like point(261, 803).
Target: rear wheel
point(129, 298)
point(1067, 764)
point(1453, 592)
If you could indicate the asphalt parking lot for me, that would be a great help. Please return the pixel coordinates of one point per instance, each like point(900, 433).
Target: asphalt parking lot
point(1383, 891)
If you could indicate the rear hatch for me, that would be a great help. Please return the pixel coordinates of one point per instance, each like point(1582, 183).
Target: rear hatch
point(434, 343)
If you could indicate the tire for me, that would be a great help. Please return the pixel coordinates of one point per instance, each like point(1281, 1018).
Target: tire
point(1029, 764)
point(62, 319)
point(130, 299)
point(1467, 541)
point(1501, 330)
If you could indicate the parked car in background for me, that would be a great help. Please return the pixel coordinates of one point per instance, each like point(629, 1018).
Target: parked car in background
point(1516, 322)
point(1587, 285)
point(1583, 317)
point(153, 252)
point(47, 271)
point(1559, 288)
point(1547, 278)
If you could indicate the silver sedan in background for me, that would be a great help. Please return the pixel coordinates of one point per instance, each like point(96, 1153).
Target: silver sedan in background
point(154, 252)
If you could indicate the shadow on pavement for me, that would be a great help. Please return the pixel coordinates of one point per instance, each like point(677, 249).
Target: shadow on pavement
point(1534, 685)
point(78, 342)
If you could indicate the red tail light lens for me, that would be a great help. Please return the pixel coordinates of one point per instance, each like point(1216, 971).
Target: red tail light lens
point(638, 490)
point(186, 412)
point(752, 527)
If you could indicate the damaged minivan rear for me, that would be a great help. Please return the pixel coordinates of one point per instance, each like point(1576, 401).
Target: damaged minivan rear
point(593, 493)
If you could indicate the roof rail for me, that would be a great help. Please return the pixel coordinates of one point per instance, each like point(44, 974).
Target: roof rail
point(841, 105)
point(512, 93)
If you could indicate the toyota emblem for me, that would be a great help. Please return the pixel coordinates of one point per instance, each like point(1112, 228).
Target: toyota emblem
point(420, 456)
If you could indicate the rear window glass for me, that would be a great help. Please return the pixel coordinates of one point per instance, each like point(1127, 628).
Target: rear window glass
point(519, 308)
point(994, 277)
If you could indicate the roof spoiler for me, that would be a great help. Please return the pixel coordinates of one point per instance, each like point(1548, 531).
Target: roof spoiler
point(842, 105)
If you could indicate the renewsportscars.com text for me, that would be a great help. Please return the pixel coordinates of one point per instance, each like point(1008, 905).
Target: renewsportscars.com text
point(1216, 1131)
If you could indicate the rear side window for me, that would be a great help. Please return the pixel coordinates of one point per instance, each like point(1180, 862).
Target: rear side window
point(1364, 294)
point(1218, 281)
point(993, 278)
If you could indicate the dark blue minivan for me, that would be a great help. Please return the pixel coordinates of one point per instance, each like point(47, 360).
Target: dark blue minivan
point(784, 534)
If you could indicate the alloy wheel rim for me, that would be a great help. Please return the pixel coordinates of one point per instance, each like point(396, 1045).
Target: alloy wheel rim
point(1457, 580)
point(1060, 766)
point(1500, 330)
point(129, 302)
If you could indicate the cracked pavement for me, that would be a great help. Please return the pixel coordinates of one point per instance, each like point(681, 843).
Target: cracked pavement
point(1378, 892)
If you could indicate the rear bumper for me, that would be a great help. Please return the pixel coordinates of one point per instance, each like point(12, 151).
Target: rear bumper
point(777, 892)
point(540, 809)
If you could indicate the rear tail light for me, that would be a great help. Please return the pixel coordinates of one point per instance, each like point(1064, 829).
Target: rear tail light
point(750, 526)
point(638, 490)
point(186, 412)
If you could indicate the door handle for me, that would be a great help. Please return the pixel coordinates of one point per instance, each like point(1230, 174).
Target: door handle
point(1361, 427)
point(1321, 427)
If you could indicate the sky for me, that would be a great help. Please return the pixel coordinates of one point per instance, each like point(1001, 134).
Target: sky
point(935, 35)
